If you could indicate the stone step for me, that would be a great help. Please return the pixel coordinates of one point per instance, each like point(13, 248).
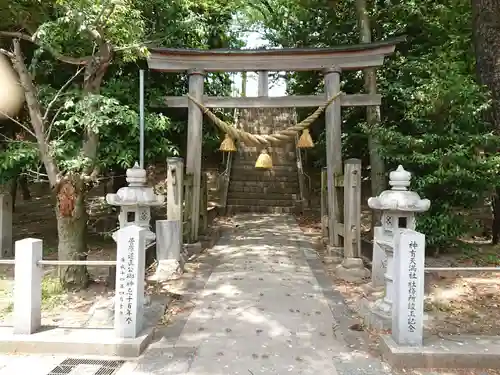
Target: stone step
point(264, 184)
point(250, 163)
point(254, 152)
point(266, 175)
point(290, 177)
point(276, 169)
point(258, 196)
point(260, 202)
point(262, 190)
point(232, 209)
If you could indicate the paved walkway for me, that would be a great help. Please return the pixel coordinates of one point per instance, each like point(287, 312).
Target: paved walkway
point(266, 308)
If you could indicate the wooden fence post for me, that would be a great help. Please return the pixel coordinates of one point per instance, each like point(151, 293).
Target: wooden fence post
point(352, 208)
point(188, 199)
point(352, 268)
point(6, 226)
point(204, 204)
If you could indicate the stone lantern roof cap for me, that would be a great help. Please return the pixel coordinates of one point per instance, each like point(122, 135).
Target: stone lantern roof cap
point(137, 193)
point(399, 198)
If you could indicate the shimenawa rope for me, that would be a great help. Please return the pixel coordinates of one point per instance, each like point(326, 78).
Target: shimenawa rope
point(264, 139)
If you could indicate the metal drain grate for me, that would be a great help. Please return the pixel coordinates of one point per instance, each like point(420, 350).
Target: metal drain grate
point(70, 364)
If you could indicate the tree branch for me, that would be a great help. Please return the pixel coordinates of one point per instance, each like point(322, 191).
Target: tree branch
point(18, 123)
point(35, 113)
point(9, 54)
point(49, 106)
point(57, 55)
point(49, 130)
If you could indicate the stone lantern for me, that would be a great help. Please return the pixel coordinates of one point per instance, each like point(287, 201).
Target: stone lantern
point(135, 201)
point(398, 206)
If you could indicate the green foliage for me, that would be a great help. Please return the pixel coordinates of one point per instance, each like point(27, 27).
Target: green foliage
point(439, 140)
point(433, 111)
point(118, 129)
point(75, 28)
point(16, 156)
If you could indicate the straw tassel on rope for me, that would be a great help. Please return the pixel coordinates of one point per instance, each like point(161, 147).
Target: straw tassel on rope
point(227, 144)
point(264, 160)
point(267, 139)
point(305, 140)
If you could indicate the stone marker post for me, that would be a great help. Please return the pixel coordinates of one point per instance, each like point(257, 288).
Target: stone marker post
point(28, 286)
point(6, 226)
point(168, 249)
point(408, 309)
point(398, 207)
point(130, 269)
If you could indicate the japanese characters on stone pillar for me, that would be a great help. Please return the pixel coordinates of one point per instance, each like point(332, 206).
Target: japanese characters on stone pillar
point(408, 309)
point(398, 207)
point(130, 269)
point(135, 201)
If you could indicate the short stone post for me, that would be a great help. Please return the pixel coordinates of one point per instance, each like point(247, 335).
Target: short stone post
point(6, 226)
point(130, 270)
point(168, 249)
point(398, 207)
point(28, 286)
point(408, 309)
point(379, 259)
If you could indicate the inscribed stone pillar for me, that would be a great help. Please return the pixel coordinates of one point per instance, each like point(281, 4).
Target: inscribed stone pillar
point(193, 159)
point(333, 150)
point(408, 302)
point(130, 270)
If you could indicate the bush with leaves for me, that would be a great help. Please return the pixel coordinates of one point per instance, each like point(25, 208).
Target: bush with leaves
point(441, 139)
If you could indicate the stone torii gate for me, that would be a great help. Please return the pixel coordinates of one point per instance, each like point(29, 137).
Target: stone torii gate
point(331, 61)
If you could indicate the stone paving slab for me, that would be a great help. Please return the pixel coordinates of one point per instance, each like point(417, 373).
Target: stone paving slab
point(261, 312)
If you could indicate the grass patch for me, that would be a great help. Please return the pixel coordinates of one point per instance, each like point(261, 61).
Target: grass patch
point(52, 296)
point(52, 292)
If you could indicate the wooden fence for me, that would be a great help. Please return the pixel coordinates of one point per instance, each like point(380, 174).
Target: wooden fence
point(188, 235)
point(347, 224)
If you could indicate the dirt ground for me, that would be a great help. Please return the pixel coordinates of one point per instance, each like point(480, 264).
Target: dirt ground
point(35, 218)
point(456, 302)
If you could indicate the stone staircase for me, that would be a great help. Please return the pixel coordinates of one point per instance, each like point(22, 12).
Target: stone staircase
point(268, 191)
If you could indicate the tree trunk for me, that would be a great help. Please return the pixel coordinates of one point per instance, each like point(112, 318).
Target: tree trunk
point(70, 209)
point(13, 193)
point(25, 190)
point(72, 217)
point(486, 33)
point(377, 167)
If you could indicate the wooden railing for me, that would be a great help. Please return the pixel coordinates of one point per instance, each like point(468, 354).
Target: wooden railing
point(224, 179)
point(347, 224)
point(303, 190)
